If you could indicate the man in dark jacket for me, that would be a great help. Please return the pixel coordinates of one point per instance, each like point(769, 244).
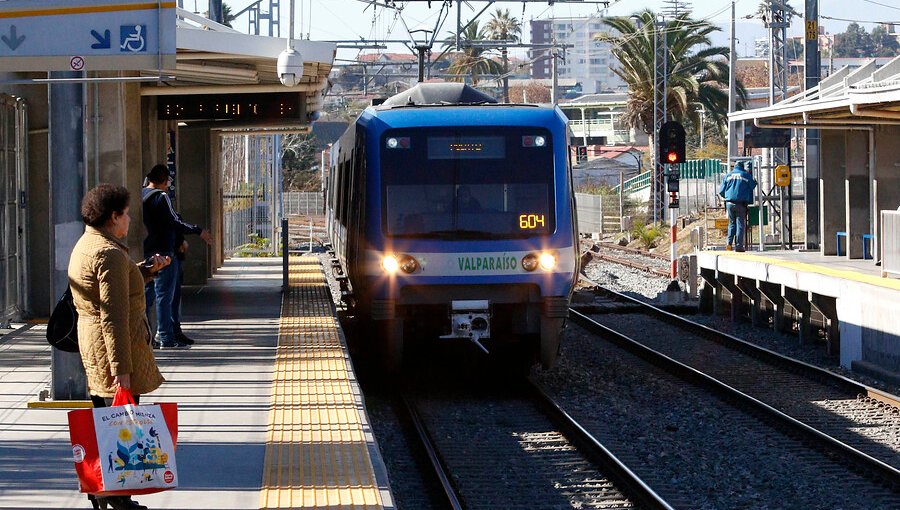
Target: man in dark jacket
point(737, 190)
point(163, 228)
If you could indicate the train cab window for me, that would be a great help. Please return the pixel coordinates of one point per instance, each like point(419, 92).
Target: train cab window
point(467, 183)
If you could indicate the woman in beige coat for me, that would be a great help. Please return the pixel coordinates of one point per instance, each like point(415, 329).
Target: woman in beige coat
point(108, 292)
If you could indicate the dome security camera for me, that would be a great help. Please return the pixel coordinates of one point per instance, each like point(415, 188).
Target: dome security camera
point(290, 67)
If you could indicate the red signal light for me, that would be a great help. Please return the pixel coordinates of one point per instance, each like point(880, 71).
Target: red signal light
point(672, 157)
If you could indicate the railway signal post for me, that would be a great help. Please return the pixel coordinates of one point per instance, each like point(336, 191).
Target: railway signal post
point(671, 151)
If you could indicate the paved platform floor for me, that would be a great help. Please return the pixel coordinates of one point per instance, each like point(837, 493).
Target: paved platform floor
point(223, 386)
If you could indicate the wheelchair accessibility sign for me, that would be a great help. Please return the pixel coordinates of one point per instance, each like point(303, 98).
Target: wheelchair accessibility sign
point(132, 38)
point(87, 35)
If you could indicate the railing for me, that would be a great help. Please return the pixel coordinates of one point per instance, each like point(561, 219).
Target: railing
point(303, 203)
point(890, 243)
point(246, 223)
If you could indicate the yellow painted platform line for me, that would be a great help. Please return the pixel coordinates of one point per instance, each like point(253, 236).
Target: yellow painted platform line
point(812, 268)
point(316, 451)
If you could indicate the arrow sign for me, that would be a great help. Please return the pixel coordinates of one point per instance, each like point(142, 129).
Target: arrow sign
point(13, 41)
point(103, 42)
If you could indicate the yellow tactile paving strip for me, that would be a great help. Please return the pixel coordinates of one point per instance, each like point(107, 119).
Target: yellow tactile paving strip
point(316, 451)
point(811, 268)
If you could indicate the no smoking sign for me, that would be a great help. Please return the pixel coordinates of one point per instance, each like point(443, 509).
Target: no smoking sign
point(77, 63)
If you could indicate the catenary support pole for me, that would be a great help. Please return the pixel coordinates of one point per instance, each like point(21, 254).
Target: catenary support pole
point(67, 380)
point(813, 66)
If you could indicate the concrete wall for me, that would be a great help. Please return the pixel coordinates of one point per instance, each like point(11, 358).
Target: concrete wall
point(832, 214)
point(858, 205)
point(887, 173)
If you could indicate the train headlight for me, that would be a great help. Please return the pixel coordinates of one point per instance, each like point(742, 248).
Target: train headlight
point(540, 141)
point(530, 262)
point(547, 261)
point(392, 143)
point(408, 264)
point(390, 264)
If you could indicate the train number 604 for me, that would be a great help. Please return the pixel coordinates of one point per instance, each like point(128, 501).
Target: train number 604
point(529, 221)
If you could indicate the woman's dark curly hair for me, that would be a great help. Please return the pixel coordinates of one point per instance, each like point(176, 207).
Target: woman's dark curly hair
point(100, 203)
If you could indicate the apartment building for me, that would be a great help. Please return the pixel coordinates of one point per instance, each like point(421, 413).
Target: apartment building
point(588, 62)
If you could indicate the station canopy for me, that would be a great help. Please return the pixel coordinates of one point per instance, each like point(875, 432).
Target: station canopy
point(213, 60)
point(864, 96)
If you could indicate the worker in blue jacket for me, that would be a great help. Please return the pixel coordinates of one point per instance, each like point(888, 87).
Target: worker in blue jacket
point(737, 190)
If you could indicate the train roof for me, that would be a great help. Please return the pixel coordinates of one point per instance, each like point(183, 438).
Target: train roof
point(437, 94)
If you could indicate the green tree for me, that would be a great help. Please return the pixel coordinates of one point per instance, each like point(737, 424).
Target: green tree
point(227, 15)
point(300, 162)
point(854, 42)
point(762, 11)
point(884, 44)
point(697, 71)
point(503, 27)
point(472, 61)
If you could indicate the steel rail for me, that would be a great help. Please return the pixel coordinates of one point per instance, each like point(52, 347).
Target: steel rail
point(599, 454)
point(629, 263)
point(761, 353)
point(613, 246)
point(868, 464)
point(428, 443)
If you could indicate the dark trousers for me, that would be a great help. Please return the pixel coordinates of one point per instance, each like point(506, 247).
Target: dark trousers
point(737, 222)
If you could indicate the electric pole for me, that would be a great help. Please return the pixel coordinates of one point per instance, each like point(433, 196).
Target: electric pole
point(813, 68)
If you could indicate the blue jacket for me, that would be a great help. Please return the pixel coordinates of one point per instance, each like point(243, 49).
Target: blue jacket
point(163, 223)
point(738, 186)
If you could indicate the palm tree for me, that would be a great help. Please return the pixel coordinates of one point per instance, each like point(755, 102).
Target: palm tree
point(697, 71)
point(227, 15)
point(473, 60)
point(503, 27)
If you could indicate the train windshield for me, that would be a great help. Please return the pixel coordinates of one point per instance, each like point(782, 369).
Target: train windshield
point(467, 183)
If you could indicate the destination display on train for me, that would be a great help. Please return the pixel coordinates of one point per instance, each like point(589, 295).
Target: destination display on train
point(466, 147)
point(269, 106)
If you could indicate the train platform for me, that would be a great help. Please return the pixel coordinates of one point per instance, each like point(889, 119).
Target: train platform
point(859, 306)
point(270, 415)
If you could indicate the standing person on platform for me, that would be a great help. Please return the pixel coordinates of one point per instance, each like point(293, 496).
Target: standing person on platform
point(163, 226)
point(737, 190)
point(107, 290)
point(181, 247)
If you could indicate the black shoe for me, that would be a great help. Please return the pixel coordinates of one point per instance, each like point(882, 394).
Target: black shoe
point(155, 344)
point(120, 503)
point(740, 250)
point(181, 337)
point(173, 345)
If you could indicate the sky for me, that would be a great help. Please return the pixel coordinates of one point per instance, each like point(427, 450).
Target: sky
point(353, 19)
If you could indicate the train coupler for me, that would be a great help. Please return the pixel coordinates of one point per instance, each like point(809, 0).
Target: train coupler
point(470, 319)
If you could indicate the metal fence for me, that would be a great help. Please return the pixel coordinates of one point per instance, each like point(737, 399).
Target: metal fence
point(251, 166)
point(890, 242)
point(599, 214)
point(13, 227)
point(303, 203)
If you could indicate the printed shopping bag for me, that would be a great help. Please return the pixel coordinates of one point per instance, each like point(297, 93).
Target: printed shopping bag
point(125, 449)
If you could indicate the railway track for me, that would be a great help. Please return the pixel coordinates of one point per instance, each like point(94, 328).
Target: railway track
point(855, 424)
point(630, 257)
point(518, 449)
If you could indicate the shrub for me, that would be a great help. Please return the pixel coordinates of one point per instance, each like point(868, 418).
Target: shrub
point(647, 234)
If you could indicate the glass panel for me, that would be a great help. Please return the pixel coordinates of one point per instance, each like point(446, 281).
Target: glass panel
point(493, 187)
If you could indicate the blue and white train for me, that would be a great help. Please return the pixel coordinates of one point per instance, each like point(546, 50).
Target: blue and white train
point(453, 216)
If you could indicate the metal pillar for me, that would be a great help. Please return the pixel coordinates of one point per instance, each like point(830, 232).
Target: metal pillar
point(777, 23)
point(660, 112)
point(732, 91)
point(813, 67)
point(67, 379)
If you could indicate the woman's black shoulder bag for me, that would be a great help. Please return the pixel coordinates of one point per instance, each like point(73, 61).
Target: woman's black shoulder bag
point(62, 329)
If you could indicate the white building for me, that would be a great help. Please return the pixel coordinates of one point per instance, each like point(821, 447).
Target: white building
point(589, 62)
